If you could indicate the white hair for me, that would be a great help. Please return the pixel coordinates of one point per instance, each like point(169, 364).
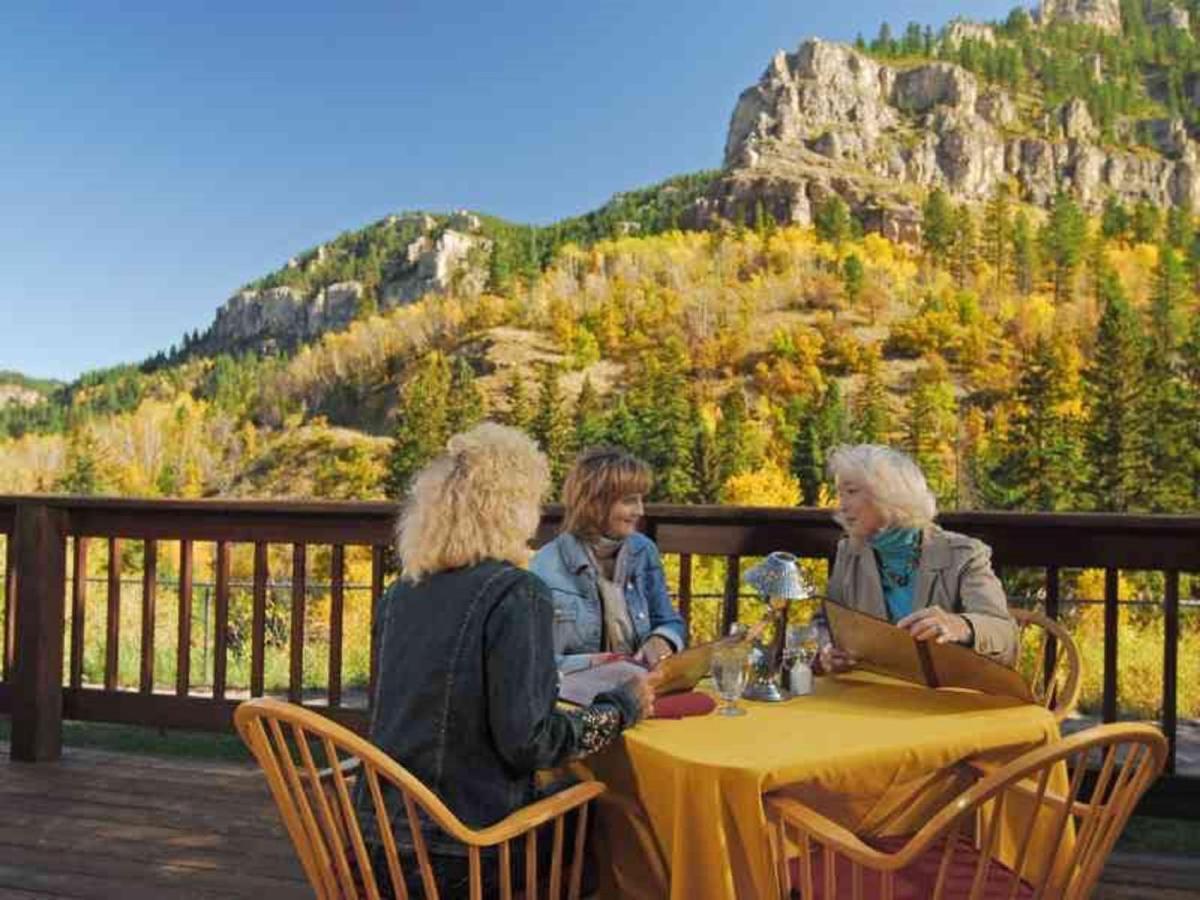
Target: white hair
point(895, 483)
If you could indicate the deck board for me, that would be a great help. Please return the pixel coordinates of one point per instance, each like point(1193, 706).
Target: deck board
point(99, 824)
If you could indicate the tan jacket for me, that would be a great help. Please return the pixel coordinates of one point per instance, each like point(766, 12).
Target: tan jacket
point(954, 572)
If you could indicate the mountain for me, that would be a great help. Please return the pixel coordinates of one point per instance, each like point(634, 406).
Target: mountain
point(1093, 100)
point(1099, 98)
point(978, 245)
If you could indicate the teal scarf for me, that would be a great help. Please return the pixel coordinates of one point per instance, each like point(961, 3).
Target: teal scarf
point(896, 553)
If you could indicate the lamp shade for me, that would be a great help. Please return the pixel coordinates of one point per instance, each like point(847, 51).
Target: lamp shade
point(779, 576)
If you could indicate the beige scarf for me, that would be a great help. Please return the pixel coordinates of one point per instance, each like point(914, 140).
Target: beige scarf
point(611, 560)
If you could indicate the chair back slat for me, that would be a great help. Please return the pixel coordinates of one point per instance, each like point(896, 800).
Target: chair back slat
point(419, 847)
point(382, 814)
point(1027, 838)
point(556, 861)
point(506, 891)
point(531, 842)
point(1052, 665)
point(330, 833)
point(305, 758)
point(299, 802)
point(1021, 799)
point(576, 883)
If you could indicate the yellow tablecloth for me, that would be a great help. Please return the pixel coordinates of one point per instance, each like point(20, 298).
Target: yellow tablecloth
point(858, 749)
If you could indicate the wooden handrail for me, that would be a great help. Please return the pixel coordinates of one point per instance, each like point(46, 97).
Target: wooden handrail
point(1050, 541)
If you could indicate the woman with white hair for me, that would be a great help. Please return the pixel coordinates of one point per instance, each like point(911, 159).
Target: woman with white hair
point(466, 692)
point(895, 564)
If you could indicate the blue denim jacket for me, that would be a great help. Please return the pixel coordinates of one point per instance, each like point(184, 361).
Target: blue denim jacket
point(578, 619)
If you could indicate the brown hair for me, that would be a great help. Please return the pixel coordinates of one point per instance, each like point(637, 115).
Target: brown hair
point(599, 478)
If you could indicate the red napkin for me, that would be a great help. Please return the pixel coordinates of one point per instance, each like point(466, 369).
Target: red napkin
point(685, 703)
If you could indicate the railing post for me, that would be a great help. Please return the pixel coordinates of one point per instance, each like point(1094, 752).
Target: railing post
point(40, 533)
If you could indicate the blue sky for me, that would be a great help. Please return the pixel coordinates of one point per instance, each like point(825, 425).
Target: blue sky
point(154, 156)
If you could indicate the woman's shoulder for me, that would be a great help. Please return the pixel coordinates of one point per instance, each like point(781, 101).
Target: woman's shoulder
point(957, 543)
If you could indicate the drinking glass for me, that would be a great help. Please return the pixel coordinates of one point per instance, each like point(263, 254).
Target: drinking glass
point(730, 668)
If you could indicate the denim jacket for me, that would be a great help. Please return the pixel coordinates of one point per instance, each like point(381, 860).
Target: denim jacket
point(578, 618)
point(465, 697)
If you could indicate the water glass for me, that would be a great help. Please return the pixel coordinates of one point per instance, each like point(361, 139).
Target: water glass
point(730, 669)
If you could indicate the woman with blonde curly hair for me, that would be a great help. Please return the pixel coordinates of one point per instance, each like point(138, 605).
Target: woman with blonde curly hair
point(896, 564)
point(466, 691)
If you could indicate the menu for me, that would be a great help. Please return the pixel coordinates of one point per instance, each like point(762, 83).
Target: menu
point(882, 647)
point(606, 671)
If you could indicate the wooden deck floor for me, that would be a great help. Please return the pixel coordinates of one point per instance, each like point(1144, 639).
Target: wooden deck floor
point(109, 825)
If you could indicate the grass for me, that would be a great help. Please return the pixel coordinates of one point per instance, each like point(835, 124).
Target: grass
point(150, 741)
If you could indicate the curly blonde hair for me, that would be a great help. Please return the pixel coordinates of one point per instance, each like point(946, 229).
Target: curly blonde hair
point(480, 499)
point(896, 484)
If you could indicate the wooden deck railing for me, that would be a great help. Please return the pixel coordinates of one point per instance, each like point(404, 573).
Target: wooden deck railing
point(49, 539)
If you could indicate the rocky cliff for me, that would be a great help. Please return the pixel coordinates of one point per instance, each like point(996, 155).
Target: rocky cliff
point(828, 118)
point(443, 255)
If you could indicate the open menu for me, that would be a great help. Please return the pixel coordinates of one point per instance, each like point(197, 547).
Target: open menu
point(680, 672)
point(882, 647)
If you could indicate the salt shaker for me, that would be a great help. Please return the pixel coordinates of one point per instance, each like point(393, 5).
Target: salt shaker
point(800, 677)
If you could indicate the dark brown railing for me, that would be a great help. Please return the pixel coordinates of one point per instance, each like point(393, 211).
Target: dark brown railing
point(48, 541)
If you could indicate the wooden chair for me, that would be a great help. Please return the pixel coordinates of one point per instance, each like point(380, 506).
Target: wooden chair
point(1053, 668)
point(947, 860)
point(306, 759)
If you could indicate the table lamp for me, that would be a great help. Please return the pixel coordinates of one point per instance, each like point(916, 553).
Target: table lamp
point(779, 580)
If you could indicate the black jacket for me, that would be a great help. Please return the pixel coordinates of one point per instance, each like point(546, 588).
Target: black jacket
point(466, 694)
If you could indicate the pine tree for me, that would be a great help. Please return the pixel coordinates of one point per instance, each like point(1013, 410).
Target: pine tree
point(1024, 255)
point(421, 427)
point(808, 460)
point(1189, 370)
point(1165, 396)
point(1115, 444)
point(551, 426)
point(872, 420)
point(464, 402)
point(705, 463)
point(589, 417)
point(83, 464)
point(937, 226)
point(1145, 223)
point(997, 231)
point(621, 429)
point(963, 248)
point(659, 401)
point(1039, 458)
point(852, 278)
point(520, 409)
point(1063, 240)
point(832, 220)
point(732, 458)
point(930, 427)
point(1114, 221)
point(1180, 227)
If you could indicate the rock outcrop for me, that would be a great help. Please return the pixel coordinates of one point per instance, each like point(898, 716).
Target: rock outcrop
point(444, 256)
point(829, 119)
point(1102, 14)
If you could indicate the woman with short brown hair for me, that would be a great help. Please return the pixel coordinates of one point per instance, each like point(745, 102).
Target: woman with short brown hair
point(606, 578)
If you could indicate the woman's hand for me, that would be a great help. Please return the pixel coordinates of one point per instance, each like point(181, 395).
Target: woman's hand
point(644, 689)
point(656, 649)
point(832, 661)
point(936, 624)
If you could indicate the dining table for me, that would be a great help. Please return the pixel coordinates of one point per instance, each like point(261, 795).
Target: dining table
point(685, 816)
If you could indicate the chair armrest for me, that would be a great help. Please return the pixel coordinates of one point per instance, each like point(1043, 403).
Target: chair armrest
point(529, 817)
point(827, 832)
